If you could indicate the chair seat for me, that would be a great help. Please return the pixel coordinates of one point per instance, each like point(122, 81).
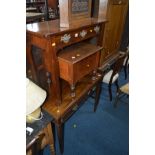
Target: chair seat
point(125, 88)
point(106, 78)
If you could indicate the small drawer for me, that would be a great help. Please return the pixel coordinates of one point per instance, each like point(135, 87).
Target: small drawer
point(77, 61)
point(69, 113)
point(85, 66)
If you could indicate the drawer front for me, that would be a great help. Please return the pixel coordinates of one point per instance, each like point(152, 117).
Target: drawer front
point(85, 66)
point(76, 36)
point(69, 113)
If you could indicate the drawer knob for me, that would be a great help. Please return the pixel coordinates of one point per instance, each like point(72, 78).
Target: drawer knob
point(73, 57)
point(91, 30)
point(78, 55)
point(53, 44)
point(97, 29)
point(66, 38)
point(99, 75)
point(83, 33)
point(76, 35)
point(88, 65)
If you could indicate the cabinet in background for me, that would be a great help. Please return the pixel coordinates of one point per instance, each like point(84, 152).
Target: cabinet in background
point(116, 15)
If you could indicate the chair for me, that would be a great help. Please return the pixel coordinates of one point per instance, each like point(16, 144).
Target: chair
point(126, 63)
point(123, 90)
point(112, 76)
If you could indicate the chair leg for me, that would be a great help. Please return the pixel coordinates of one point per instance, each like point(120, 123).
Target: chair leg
point(125, 72)
point(41, 152)
point(116, 83)
point(97, 95)
point(110, 93)
point(117, 98)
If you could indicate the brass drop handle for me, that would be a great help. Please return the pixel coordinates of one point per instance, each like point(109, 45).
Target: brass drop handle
point(83, 33)
point(66, 38)
point(97, 29)
point(88, 65)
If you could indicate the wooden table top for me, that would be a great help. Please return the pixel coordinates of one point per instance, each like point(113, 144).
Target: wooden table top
point(82, 89)
point(50, 28)
point(85, 50)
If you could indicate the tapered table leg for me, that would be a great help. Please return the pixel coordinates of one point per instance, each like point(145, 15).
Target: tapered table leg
point(60, 132)
point(97, 95)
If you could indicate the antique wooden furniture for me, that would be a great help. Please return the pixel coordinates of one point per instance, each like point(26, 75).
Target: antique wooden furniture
point(126, 63)
point(53, 4)
point(125, 36)
point(123, 90)
point(99, 8)
point(116, 15)
point(45, 40)
point(75, 11)
point(38, 4)
point(112, 76)
point(41, 136)
point(48, 7)
point(77, 61)
point(31, 9)
point(34, 17)
point(34, 3)
point(46, 43)
point(52, 8)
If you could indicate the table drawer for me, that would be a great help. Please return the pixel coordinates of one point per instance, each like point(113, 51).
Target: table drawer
point(77, 61)
point(69, 113)
point(76, 36)
point(85, 66)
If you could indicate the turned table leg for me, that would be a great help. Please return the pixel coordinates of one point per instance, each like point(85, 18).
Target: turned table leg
point(94, 75)
point(51, 139)
point(72, 90)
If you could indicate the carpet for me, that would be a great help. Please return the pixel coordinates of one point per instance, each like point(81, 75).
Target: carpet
point(105, 132)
